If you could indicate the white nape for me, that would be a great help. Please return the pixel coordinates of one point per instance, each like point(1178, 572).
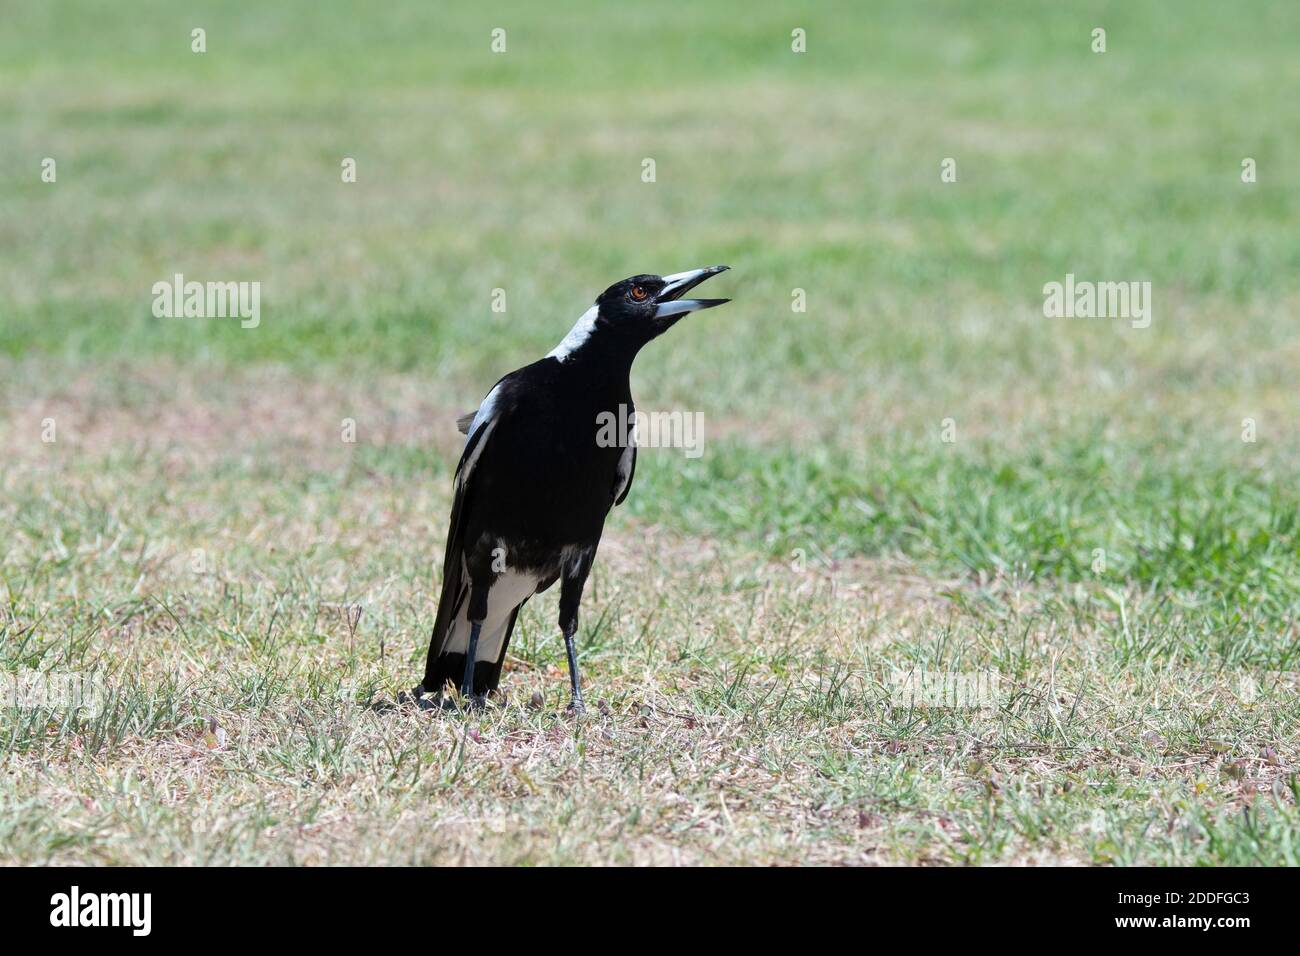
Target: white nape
point(581, 331)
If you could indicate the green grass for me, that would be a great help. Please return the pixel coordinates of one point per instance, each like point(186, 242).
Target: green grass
point(247, 586)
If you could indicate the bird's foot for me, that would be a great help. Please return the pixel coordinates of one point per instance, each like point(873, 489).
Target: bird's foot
point(414, 696)
point(576, 707)
point(474, 702)
point(422, 699)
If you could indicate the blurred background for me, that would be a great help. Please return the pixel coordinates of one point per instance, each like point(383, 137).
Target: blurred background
point(817, 171)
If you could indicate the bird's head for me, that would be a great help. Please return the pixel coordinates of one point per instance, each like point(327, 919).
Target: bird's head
point(630, 313)
point(647, 305)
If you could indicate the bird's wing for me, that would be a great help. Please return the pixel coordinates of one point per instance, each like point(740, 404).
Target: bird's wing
point(480, 426)
point(463, 423)
point(454, 586)
point(624, 472)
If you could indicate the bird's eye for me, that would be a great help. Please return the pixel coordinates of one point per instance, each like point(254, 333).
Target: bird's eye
point(639, 293)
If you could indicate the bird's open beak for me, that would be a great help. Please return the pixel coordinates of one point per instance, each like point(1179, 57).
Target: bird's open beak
point(670, 301)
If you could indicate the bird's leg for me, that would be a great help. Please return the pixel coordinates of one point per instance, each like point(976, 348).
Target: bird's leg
point(571, 583)
point(467, 683)
point(576, 704)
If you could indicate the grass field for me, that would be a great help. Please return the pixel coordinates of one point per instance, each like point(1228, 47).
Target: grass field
point(248, 586)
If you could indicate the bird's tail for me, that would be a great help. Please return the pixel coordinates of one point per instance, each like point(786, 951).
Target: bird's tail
point(449, 642)
point(447, 666)
point(452, 604)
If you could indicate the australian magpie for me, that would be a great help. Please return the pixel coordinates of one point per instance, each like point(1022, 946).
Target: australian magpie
point(537, 478)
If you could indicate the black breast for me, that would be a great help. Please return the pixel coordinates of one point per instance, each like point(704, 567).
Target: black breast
point(543, 477)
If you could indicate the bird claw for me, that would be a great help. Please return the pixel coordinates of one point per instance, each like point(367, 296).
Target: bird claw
point(421, 699)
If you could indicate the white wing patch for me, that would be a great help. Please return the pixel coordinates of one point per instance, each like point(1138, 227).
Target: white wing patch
point(623, 472)
point(581, 331)
point(484, 419)
point(462, 476)
point(486, 410)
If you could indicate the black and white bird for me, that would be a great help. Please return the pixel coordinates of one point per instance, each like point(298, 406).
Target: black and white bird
point(536, 480)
